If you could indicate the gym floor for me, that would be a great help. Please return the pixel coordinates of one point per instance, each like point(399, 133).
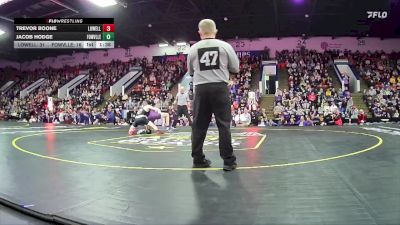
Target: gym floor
point(286, 175)
point(9, 216)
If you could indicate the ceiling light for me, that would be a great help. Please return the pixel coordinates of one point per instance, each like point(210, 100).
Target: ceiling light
point(2, 32)
point(149, 25)
point(298, 2)
point(2, 2)
point(181, 43)
point(103, 3)
point(226, 18)
point(161, 45)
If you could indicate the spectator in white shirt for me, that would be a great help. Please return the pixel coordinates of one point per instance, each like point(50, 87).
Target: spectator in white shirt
point(333, 108)
point(243, 119)
point(252, 98)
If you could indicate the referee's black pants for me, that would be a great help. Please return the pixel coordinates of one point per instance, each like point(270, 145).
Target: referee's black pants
point(208, 99)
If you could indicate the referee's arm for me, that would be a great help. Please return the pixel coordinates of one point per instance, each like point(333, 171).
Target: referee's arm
point(233, 60)
point(189, 62)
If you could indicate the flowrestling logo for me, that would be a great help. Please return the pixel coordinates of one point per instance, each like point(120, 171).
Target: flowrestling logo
point(377, 14)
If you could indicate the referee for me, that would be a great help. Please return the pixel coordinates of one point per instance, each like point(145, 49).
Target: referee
point(210, 61)
point(182, 99)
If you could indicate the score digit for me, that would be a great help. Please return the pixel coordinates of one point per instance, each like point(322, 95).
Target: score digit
point(108, 36)
point(108, 27)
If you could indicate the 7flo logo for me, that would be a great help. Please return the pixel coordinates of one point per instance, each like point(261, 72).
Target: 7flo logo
point(377, 14)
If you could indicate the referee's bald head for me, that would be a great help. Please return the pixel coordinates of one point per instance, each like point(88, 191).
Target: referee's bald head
point(207, 28)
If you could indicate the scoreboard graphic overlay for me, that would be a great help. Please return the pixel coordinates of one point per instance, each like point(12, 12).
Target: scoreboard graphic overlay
point(73, 33)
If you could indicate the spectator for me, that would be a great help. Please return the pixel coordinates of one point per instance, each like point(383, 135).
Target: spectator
point(308, 122)
point(243, 119)
point(110, 115)
point(302, 121)
point(263, 117)
point(361, 117)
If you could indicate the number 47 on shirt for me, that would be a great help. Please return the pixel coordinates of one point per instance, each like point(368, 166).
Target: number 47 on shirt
point(208, 58)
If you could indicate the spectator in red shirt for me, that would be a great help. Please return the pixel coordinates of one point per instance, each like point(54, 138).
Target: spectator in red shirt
point(312, 98)
point(361, 118)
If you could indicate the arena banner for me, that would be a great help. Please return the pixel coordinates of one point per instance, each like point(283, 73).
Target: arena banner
point(241, 54)
point(171, 58)
point(182, 57)
point(330, 45)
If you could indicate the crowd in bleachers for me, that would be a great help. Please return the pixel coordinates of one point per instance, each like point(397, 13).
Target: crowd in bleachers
point(81, 100)
point(311, 98)
point(12, 107)
point(157, 81)
point(154, 87)
point(84, 104)
point(245, 102)
point(380, 71)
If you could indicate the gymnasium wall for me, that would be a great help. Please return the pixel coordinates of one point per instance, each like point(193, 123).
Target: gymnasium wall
point(7, 63)
point(316, 43)
point(104, 56)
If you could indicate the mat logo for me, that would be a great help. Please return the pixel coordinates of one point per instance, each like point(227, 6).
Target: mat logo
point(377, 14)
point(385, 130)
point(183, 139)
